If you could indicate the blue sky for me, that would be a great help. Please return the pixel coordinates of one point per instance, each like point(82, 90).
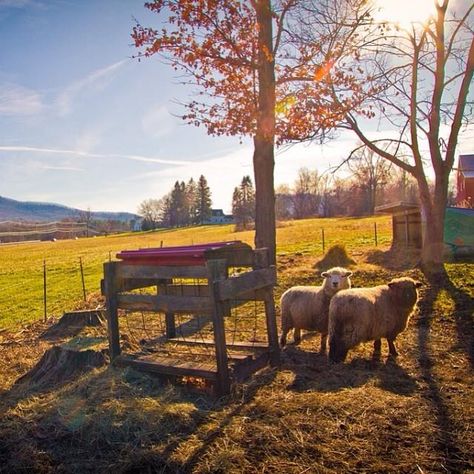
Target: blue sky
point(83, 124)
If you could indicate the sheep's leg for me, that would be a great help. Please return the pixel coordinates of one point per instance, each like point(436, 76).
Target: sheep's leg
point(391, 347)
point(297, 335)
point(323, 343)
point(377, 349)
point(284, 332)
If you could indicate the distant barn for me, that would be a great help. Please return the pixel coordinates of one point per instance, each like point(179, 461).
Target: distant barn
point(465, 182)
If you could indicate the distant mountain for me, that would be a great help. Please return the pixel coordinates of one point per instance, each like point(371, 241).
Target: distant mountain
point(11, 210)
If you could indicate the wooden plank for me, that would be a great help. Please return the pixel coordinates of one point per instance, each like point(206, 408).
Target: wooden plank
point(169, 367)
point(233, 288)
point(155, 272)
point(272, 332)
point(110, 288)
point(243, 371)
point(165, 303)
point(217, 270)
point(230, 345)
point(184, 290)
point(237, 255)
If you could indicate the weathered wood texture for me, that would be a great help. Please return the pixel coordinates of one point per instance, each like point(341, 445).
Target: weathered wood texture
point(217, 271)
point(237, 287)
point(110, 292)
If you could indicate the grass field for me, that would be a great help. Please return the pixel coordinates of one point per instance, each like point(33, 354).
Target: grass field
point(414, 414)
point(21, 266)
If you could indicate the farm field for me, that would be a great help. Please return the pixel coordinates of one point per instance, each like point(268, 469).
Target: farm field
point(21, 265)
point(410, 415)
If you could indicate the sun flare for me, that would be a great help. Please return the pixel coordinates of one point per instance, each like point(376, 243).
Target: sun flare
point(405, 12)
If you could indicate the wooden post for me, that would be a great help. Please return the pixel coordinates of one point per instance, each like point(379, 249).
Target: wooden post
point(375, 234)
point(44, 290)
point(217, 270)
point(110, 290)
point(261, 261)
point(407, 232)
point(324, 243)
point(82, 279)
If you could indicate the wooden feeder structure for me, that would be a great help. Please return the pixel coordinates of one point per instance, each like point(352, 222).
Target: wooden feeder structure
point(205, 282)
point(407, 225)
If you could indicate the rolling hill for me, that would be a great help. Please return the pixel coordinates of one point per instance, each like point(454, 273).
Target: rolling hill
point(13, 210)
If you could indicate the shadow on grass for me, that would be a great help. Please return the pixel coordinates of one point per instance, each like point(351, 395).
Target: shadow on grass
point(116, 420)
point(447, 442)
point(313, 372)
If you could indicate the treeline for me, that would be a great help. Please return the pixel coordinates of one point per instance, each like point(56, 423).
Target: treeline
point(186, 204)
point(361, 183)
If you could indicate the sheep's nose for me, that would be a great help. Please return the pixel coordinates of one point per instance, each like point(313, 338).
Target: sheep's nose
point(334, 284)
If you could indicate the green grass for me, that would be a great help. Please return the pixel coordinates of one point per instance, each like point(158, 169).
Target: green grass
point(21, 266)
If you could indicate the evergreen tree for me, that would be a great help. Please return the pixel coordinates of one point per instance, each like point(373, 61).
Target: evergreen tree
point(191, 192)
point(243, 203)
point(203, 201)
point(178, 212)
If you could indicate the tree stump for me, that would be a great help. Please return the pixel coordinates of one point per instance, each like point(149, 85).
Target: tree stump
point(73, 322)
point(59, 365)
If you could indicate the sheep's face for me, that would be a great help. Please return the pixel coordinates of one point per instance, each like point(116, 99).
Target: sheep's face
point(336, 279)
point(405, 291)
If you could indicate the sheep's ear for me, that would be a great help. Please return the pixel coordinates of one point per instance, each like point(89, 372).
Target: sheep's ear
point(418, 284)
point(325, 274)
point(348, 274)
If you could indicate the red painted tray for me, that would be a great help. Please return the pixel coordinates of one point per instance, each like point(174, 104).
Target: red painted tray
point(180, 255)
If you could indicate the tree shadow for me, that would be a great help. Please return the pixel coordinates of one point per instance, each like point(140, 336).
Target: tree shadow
point(66, 432)
point(446, 439)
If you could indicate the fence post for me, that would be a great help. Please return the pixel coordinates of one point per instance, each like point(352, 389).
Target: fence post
point(82, 278)
point(324, 243)
point(375, 234)
point(44, 290)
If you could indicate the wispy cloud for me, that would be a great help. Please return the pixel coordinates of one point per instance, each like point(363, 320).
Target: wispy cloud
point(158, 122)
point(95, 80)
point(80, 153)
point(60, 168)
point(19, 100)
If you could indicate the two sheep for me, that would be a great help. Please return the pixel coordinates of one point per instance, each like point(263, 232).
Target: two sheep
point(369, 314)
point(307, 307)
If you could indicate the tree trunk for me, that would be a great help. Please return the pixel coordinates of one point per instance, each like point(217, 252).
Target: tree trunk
point(432, 253)
point(263, 157)
point(265, 229)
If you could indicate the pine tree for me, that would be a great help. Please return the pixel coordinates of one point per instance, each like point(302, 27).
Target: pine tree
point(243, 203)
point(203, 201)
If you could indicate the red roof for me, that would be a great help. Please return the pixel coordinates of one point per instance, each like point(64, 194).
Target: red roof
point(180, 255)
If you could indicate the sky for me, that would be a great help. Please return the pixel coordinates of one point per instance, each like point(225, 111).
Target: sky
point(84, 124)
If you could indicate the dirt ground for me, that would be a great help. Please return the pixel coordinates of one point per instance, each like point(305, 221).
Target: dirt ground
point(414, 414)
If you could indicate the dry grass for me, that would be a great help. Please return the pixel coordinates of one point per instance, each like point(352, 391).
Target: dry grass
point(411, 415)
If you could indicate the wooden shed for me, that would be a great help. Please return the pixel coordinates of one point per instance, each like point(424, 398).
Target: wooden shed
point(407, 228)
point(203, 284)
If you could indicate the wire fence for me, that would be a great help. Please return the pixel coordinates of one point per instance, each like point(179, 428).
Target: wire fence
point(64, 280)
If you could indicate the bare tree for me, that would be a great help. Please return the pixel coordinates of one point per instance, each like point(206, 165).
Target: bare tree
point(416, 81)
point(371, 173)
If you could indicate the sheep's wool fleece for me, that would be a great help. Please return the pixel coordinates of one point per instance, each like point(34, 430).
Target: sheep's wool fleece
point(371, 313)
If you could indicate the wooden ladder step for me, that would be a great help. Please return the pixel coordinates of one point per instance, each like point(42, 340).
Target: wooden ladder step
point(249, 345)
point(168, 366)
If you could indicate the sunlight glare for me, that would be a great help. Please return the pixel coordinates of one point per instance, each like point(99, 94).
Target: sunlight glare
point(405, 13)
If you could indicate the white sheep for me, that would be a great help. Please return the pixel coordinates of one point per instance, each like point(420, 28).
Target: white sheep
point(369, 314)
point(306, 307)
